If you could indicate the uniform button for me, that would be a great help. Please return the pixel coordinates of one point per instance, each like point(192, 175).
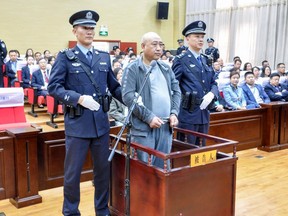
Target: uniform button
point(92, 71)
point(77, 71)
point(94, 95)
point(203, 81)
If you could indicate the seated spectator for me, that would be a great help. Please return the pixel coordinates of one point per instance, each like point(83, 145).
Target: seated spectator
point(51, 61)
point(237, 64)
point(29, 52)
point(233, 94)
point(266, 71)
point(257, 77)
point(217, 70)
point(275, 90)
point(221, 62)
point(118, 111)
point(40, 79)
point(281, 69)
point(115, 64)
point(46, 54)
point(37, 57)
point(254, 93)
point(247, 66)
point(11, 67)
point(27, 72)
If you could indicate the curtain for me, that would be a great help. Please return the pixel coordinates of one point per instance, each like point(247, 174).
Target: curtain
point(255, 30)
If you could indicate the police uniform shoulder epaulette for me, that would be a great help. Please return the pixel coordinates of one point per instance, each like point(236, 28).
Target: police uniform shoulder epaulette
point(181, 55)
point(63, 50)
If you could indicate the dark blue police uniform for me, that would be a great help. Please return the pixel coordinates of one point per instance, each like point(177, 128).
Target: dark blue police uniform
point(85, 129)
point(212, 51)
point(3, 54)
point(197, 79)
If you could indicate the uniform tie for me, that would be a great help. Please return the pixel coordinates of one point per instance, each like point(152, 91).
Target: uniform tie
point(199, 60)
point(89, 57)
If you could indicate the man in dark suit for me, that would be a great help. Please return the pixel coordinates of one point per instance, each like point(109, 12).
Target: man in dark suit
point(254, 93)
point(197, 83)
point(3, 54)
point(86, 121)
point(275, 90)
point(11, 67)
point(40, 79)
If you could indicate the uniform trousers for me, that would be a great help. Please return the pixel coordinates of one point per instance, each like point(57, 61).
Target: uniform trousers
point(159, 139)
point(201, 128)
point(76, 152)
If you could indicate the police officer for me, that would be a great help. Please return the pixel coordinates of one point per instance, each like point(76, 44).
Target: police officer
point(197, 84)
point(86, 120)
point(3, 54)
point(211, 50)
point(181, 47)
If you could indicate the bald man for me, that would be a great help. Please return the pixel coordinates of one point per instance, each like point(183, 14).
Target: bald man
point(154, 117)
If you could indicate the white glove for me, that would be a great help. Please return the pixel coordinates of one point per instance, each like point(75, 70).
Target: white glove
point(90, 103)
point(139, 101)
point(206, 100)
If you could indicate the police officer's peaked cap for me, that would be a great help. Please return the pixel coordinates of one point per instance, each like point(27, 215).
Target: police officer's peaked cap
point(197, 27)
point(115, 47)
point(180, 40)
point(210, 40)
point(129, 49)
point(84, 18)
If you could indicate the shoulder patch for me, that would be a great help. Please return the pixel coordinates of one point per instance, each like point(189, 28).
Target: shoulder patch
point(181, 55)
point(63, 50)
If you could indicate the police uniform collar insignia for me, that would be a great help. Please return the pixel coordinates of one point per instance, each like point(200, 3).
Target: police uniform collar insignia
point(89, 15)
point(200, 24)
point(192, 65)
point(3, 45)
point(189, 56)
point(76, 52)
point(103, 63)
point(96, 52)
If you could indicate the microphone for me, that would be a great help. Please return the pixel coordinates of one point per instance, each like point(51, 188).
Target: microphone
point(152, 65)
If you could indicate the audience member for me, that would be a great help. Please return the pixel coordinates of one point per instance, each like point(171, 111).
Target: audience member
point(40, 80)
point(247, 66)
point(254, 93)
point(237, 64)
point(266, 71)
point(217, 70)
point(46, 54)
point(51, 61)
point(233, 94)
point(115, 64)
point(275, 90)
point(258, 79)
point(37, 56)
point(11, 67)
point(221, 62)
point(27, 72)
point(281, 69)
point(29, 52)
point(264, 63)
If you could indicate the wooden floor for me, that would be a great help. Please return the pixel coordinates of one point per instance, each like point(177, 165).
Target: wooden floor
point(261, 189)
